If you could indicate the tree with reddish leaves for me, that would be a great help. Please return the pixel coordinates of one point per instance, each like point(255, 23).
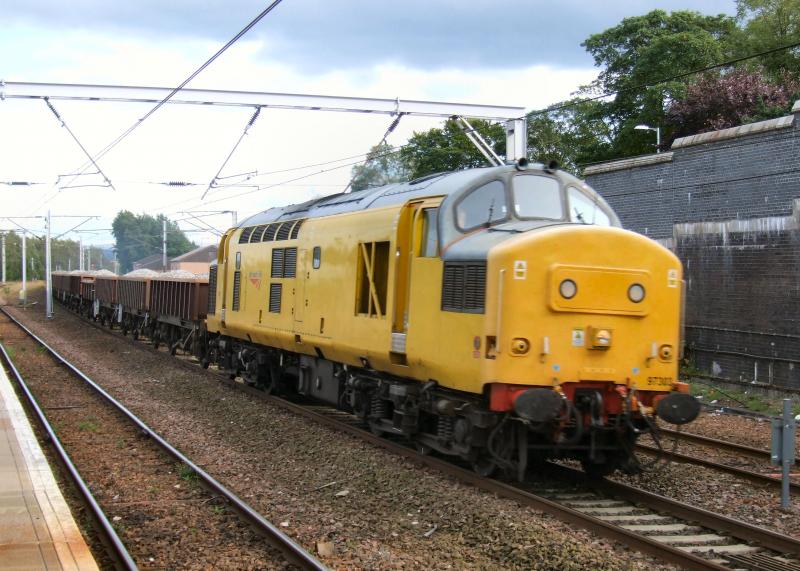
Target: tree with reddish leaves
point(718, 101)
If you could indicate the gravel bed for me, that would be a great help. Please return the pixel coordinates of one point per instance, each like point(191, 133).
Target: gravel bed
point(716, 491)
point(165, 519)
point(373, 510)
point(736, 428)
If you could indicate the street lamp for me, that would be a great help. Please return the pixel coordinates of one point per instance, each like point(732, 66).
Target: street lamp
point(658, 134)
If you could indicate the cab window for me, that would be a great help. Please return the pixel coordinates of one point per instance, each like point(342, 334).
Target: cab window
point(430, 240)
point(537, 197)
point(483, 206)
point(584, 209)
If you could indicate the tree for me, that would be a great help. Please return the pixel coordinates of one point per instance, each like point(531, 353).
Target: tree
point(573, 134)
point(64, 255)
point(719, 101)
point(449, 149)
point(769, 24)
point(139, 235)
point(383, 166)
point(640, 52)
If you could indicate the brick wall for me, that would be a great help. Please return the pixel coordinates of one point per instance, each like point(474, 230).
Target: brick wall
point(726, 203)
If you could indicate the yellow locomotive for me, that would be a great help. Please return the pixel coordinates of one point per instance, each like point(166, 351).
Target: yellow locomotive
point(500, 314)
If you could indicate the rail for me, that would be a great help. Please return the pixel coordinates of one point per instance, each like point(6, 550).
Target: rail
point(291, 550)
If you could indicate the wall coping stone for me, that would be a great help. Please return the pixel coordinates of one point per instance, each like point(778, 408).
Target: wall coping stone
point(733, 132)
point(742, 225)
point(796, 107)
point(632, 162)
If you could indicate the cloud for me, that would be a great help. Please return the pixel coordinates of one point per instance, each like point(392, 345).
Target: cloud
point(321, 35)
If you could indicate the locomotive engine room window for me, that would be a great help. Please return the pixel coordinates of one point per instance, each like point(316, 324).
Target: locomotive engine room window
point(537, 197)
point(317, 257)
point(584, 210)
point(372, 278)
point(483, 206)
point(238, 260)
point(430, 235)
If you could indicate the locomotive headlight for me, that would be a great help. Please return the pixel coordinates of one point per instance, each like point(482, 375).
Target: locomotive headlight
point(636, 293)
point(568, 289)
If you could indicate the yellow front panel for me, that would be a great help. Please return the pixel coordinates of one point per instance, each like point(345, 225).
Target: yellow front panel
point(600, 290)
point(560, 332)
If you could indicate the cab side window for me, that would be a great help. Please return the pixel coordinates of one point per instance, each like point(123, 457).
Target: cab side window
point(430, 233)
point(485, 205)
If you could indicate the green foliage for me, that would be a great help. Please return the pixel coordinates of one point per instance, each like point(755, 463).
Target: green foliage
point(90, 424)
point(139, 235)
point(575, 134)
point(64, 256)
point(640, 52)
point(383, 166)
point(449, 149)
point(186, 473)
point(769, 24)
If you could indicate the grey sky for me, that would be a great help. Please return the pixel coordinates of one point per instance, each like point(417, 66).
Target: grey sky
point(321, 35)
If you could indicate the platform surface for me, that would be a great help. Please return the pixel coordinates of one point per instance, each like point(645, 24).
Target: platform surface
point(37, 530)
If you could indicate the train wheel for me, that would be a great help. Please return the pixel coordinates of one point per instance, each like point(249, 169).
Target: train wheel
point(375, 428)
point(598, 470)
point(484, 466)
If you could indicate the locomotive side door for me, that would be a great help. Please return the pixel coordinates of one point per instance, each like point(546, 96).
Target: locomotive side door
point(415, 227)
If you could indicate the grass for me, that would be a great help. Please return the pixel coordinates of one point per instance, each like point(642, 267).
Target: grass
point(90, 424)
point(218, 510)
point(751, 400)
point(186, 473)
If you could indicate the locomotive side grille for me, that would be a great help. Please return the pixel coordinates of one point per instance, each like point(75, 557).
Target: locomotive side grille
point(212, 290)
point(269, 233)
point(258, 233)
point(296, 229)
point(289, 262)
point(275, 291)
point(244, 238)
point(284, 231)
point(276, 270)
point(464, 287)
point(237, 286)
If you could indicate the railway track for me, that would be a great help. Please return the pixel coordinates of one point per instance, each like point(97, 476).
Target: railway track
point(290, 551)
point(762, 458)
point(670, 530)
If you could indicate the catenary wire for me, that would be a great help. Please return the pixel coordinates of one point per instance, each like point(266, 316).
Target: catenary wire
point(183, 84)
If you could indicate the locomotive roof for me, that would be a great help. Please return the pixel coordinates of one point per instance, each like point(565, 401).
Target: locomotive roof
point(439, 184)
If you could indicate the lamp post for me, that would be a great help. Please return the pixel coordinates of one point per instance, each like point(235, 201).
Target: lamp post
point(658, 134)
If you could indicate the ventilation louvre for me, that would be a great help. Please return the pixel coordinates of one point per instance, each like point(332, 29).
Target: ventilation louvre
point(284, 231)
point(258, 233)
point(212, 290)
point(464, 287)
point(276, 271)
point(237, 286)
point(275, 291)
point(296, 229)
point(244, 238)
point(269, 234)
point(289, 262)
